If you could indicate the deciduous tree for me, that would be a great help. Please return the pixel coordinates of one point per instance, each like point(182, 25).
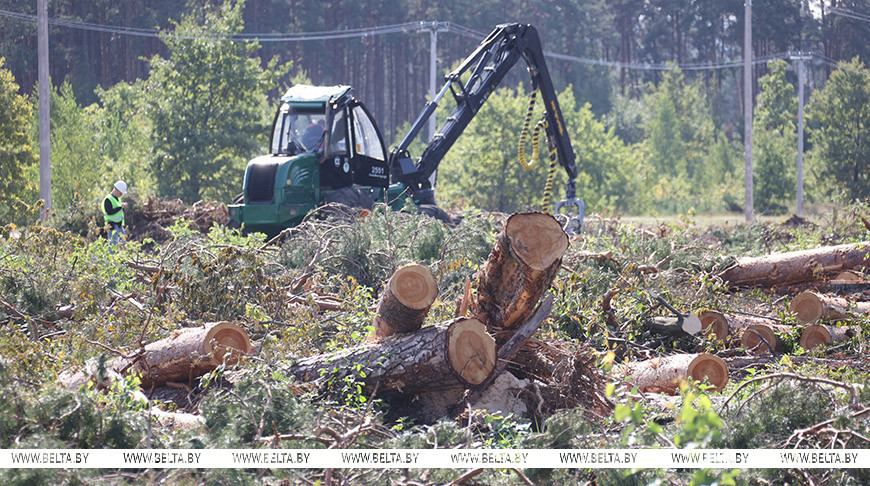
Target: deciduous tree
point(840, 115)
point(207, 104)
point(775, 141)
point(16, 150)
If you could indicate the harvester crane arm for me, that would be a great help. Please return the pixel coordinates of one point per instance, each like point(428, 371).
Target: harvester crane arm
point(486, 67)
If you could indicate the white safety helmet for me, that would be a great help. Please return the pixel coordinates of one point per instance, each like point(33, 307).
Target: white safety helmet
point(121, 186)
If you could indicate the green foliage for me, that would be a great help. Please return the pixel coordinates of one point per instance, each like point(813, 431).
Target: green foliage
point(79, 177)
point(55, 417)
point(207, 105)
point(700, 425)
point(262, 402)
point(124, 133)
point(840, 130)
point(482, 169)
point(17, 153)
point(774, 141)
point(682, 170)
point(371, 249)
point(769, 418)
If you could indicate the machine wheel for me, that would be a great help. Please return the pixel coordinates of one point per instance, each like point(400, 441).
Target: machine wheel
point(434, 211)
point(352, 198)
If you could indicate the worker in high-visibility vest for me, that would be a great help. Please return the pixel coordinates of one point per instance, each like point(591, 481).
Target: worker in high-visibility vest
point(113, 214)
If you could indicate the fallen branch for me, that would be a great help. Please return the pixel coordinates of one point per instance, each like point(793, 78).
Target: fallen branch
point(855, 402)
point(467, 476)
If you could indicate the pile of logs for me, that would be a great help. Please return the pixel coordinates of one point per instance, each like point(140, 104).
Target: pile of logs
point(831, 269)
point(468, 352)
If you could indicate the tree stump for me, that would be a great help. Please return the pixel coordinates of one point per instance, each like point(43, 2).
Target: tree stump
point(405, 301)
point(525, 259)
point(664, 374)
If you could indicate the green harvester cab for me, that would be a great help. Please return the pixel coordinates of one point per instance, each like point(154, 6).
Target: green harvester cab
point(325, 147)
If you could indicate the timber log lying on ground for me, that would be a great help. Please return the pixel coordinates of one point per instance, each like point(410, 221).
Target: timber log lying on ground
point(664, 374)
point(812, 307)
point(797, 266)
point(186, 355)
point(405, 301)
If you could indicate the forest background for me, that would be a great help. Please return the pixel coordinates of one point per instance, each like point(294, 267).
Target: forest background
point(145, 92)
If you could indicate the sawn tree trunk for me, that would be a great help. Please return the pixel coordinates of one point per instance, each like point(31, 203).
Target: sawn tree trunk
point(457, 353)
point(405, 301)
point(664, 374)
point(812, 307)
point(798, 266)
point(525, 259)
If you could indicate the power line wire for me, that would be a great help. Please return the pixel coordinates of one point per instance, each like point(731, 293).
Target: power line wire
point(379, 30)
point(849, 14)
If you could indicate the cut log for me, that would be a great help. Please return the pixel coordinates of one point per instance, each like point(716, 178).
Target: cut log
point(525, 259)
point(405, 301)
point(664, 374)
point(812, 307)
point(727, 327)
point(754, 336)
point(457, 353)
point(848, 276)
point(821, 335)
point(798, 266)
point(189, 353)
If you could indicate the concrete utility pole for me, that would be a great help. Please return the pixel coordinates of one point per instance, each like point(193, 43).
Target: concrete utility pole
point(433, 70)
point(433, 83)
point(747, 108)
point(44, 107)
point(802, 78)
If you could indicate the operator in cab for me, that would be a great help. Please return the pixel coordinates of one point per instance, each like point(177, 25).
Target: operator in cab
point(313, 134)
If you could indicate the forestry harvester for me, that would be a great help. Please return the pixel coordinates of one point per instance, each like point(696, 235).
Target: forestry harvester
point(325, 146)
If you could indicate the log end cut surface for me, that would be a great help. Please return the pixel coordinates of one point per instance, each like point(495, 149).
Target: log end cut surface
point(224, 338)
point(718, 322)
point(414, 286)
point(470, 350)
point(709, 367)
point(537, 239)
point(815, 336)
point(808, 307)
point(751, 339)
